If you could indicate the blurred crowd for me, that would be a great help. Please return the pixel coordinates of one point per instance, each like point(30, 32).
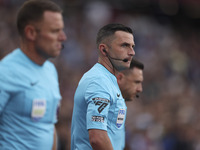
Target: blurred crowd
point(166, 116)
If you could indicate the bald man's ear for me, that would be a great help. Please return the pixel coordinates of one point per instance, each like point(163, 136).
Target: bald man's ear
point(30, 32)
point(119, 77)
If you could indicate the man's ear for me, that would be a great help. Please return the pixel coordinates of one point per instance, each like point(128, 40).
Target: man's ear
point(30, 32)
point(102, 49)
point(119, 77)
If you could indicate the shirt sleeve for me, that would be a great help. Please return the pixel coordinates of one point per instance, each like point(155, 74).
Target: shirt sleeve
point(98, 101)
point(4, 97)
point(4, 94)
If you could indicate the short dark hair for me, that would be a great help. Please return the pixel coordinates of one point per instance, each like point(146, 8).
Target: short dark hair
point(109, 30)
point(32, 10)
point(137, 64)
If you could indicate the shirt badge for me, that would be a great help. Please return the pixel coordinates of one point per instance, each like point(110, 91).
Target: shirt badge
point(120, 117)
point(38, 109)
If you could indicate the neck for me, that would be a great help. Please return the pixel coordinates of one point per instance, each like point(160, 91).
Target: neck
point(107, 64)
point(30, 51)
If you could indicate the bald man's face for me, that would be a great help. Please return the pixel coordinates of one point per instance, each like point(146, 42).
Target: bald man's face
point(130, 84)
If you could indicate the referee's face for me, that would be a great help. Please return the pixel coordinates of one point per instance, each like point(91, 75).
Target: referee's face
point(50, 35)
point(122, 48)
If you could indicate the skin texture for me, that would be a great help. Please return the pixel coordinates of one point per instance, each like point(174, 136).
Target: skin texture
point(130, 83)
point(119, 46)
point(54, 140)
point(99, 140)
point(44, 39)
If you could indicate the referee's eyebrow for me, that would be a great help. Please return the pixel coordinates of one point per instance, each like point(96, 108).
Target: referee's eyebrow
point(128, 44)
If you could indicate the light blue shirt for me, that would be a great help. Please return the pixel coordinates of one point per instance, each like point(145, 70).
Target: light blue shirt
point(98, 104)
point(29, 99)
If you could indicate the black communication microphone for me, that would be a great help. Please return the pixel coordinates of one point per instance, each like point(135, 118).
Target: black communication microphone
point(63, 46)
point(124, 60)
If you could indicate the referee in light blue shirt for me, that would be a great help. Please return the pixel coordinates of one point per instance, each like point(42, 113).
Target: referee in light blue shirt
point(99, 112)
point(29, 90)
point(98, 108)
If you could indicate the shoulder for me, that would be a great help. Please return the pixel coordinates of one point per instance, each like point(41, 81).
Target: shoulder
point(96, 82)
point(14, 61)
point(10, 78)
point(7, 68)
point(95, 76)
point(9, 58)
point(14, 69)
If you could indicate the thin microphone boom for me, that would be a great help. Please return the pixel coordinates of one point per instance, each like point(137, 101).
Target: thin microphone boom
point(124, 60)
point(63, 46)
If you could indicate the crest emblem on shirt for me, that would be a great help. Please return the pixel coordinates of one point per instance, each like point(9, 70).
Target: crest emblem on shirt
point(38, 109)
point(120, 117)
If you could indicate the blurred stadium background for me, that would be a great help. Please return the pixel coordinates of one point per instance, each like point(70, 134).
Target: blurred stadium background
point(167, 37)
